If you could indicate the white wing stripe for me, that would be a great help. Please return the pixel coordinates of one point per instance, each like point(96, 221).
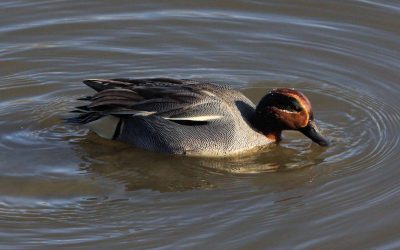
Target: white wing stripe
point(143, 113)
point(203, 118)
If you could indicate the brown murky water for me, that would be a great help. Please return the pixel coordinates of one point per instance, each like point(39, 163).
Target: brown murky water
point(61, 186)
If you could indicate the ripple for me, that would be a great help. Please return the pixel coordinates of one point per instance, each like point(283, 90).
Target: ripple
point(375, 121)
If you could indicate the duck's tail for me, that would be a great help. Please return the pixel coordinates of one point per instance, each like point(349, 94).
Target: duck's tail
point(108, 126)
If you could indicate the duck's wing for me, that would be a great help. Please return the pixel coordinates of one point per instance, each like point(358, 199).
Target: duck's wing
point(185, 102)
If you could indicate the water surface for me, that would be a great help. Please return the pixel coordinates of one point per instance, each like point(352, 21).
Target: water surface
point(62, 186)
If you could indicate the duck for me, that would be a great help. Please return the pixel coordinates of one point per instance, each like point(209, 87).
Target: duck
point(193, 117)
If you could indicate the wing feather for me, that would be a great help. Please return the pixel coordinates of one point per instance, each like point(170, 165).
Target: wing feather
point(171, 99)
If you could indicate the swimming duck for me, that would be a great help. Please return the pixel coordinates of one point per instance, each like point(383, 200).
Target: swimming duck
point(184, 116)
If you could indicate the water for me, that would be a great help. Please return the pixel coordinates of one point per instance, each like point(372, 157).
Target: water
point(61, 186)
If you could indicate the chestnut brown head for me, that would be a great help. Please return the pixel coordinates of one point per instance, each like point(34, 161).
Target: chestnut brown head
point(287, 109)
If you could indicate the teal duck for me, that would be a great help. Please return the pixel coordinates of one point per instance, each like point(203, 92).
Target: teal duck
point(184, 116)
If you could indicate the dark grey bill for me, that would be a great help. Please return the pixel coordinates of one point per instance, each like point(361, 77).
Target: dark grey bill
point(312, 132)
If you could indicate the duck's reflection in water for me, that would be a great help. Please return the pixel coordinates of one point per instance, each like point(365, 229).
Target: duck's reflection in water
point(138, 169)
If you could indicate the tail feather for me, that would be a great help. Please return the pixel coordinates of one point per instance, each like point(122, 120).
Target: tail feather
point(83, 118)
point(99, 84)
point(86, 98)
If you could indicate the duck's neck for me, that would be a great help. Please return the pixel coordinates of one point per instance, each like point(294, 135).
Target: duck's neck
point(271, 131)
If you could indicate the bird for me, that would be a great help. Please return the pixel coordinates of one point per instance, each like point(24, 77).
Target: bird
point(192, 117)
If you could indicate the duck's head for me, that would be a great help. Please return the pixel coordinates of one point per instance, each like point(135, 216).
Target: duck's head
point(287, 109)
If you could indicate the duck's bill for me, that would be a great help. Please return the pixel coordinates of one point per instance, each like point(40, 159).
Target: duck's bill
point(312, 132)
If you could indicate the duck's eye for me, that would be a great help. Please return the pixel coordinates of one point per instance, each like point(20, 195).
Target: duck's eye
point(288, 103)
point(282, 102)
point(295, 105)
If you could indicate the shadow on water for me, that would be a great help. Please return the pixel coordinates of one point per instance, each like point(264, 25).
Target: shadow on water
point(138, 169)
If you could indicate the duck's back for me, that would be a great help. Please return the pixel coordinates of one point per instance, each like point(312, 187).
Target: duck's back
point(173, 116)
